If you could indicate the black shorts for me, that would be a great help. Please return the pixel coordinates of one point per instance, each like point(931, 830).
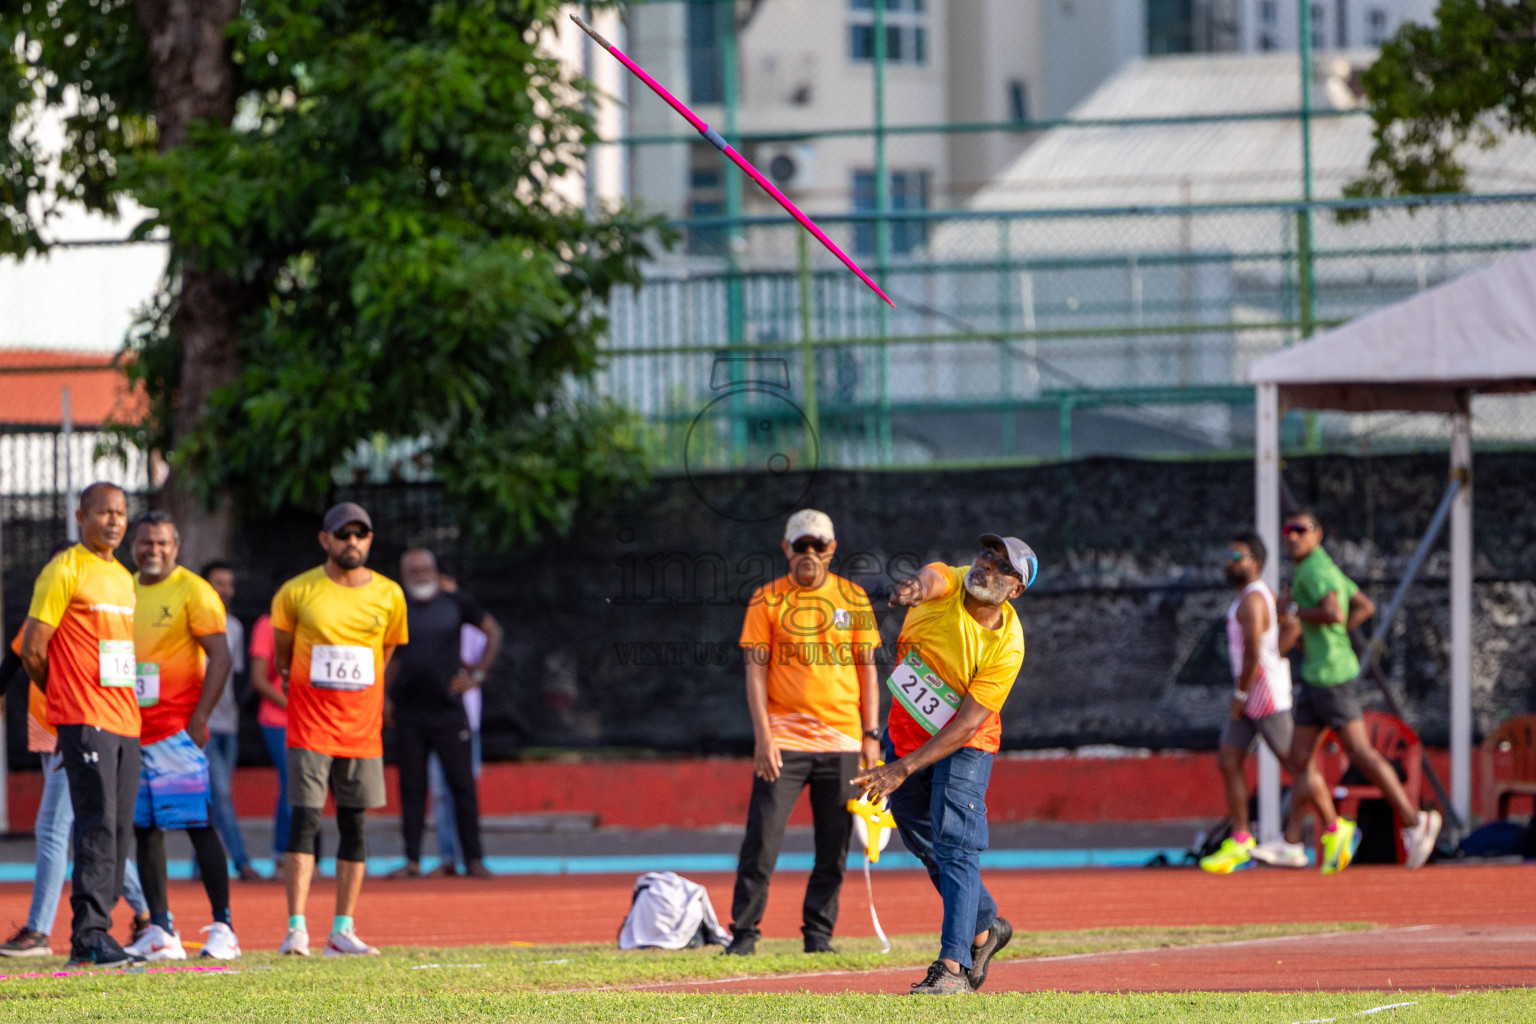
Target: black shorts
point(1331, 707)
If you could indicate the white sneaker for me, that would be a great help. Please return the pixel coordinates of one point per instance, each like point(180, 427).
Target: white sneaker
point(1419, 840)
point(295, 943)
point(221, 943)
point(157, 944)
point(348, 944)
point(1278, 853)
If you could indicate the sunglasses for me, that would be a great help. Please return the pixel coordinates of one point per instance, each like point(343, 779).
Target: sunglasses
point(1003, 564)
point(1236, 556)
point(805, 544)
point(1295, 529)
point(352, 533)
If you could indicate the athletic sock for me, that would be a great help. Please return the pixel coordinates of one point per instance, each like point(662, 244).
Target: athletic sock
point(163, 919)
point(1334, 827)
point(1242, 837)
point(296, 921)
point(341, 923)
point(222, 916)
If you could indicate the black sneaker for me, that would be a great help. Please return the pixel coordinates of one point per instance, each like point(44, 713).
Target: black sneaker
point(741, 945)
point(819, 945)
point(982, 953)
point(26, 942)
point(105, 952)
point(941, 981)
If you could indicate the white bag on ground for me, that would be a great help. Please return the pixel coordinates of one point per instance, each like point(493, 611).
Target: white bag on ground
point(668, 911)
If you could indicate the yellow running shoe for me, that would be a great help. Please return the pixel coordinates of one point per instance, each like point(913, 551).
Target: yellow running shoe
point(1339, 846)
point(1232, 856)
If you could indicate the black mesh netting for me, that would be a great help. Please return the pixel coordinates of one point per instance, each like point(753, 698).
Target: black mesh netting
point(623, 634)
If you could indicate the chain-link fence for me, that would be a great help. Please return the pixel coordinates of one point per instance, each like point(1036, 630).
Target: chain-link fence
point(1039, 334)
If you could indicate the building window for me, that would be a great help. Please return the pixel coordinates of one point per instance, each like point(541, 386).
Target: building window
point(1341, 24)
point(1319, 32)
point(1018, 100)
point(909, 192)
point(1376, 26)
point(706, 198)
point(906, 31)
point(706, 84)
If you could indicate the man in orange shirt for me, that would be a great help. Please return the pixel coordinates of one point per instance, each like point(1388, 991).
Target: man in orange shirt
point(809, 640)
point(77, 646)
point(183, 664)
point(334, 629)
point(959, 653)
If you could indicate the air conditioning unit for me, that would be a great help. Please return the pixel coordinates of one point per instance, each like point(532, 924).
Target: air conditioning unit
point(789, 165)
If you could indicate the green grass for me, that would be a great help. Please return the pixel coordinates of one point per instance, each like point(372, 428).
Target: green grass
point(555, 984)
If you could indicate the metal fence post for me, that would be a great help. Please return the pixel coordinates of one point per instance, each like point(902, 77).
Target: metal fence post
point(882, 236)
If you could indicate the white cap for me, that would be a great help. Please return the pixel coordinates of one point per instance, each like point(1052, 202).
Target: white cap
point(809, 523)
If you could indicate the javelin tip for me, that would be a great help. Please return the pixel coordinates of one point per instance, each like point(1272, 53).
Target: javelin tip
point(589, 30)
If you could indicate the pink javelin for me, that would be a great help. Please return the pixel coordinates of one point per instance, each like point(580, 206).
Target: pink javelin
point(718, 141)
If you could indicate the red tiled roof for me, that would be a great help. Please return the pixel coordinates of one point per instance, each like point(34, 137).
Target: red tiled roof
point(31, 381)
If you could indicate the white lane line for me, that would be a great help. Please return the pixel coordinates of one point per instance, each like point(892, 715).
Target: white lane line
point(1016, 960)
point(1359, 1013)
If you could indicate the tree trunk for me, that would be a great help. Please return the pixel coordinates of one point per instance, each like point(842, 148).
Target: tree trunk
point(195, 80)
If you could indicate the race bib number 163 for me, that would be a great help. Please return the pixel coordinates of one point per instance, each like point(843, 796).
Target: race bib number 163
point(338, 667)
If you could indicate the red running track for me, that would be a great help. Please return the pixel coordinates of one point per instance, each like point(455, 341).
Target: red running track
point(589, 908)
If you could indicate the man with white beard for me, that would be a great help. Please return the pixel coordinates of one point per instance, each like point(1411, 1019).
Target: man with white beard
point(959, 653)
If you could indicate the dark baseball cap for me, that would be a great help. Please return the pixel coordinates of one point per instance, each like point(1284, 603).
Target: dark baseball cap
point(346, 512)
point(1020, 555)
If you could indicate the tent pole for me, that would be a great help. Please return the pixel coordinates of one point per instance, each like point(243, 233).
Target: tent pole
point(1266, 478)
point(1461, 612)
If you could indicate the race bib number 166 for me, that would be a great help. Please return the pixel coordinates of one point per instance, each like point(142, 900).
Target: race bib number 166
point(337, 667)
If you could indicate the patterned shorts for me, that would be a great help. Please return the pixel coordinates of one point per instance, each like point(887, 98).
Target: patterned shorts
point(173, 785)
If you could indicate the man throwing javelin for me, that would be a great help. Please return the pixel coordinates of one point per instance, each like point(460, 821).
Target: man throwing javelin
point(1257, 639)
point(334, 629)
point(958, 655)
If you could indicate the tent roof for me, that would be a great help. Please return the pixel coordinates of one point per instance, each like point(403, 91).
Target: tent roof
point(1475, 332)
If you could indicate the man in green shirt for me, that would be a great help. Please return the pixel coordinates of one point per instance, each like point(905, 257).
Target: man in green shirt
point(1329, 605)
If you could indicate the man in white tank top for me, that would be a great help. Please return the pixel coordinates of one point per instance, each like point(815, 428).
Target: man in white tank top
point(1257, 636)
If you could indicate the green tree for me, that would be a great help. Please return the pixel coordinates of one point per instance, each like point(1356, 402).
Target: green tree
point(365, 240)
point(1468, 78)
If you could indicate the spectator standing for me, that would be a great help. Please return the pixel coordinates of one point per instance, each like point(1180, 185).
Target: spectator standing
point(223, 749)
point(272, 718)
point(426, 688)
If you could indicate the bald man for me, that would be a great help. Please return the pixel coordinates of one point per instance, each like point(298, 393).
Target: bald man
point(426, 684)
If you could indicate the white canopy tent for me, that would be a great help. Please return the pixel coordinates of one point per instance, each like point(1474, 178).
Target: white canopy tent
point(1430, 353)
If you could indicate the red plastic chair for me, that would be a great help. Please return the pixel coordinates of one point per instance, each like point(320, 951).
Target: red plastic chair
point(1512, 744)
point(1395, 740)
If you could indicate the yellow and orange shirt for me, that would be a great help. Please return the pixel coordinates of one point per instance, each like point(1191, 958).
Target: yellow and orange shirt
point(812, 639)
point(336, 678)
point(89, 602)
point(168, 619)
point(968, 656)
point(42, 738)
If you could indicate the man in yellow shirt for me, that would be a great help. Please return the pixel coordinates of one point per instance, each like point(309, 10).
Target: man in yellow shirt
point(183, 665)
point(959, 653)
point(809, 642)
point(77, 646)
point(334, 629)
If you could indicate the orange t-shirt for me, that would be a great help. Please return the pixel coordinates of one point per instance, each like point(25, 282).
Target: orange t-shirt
point(336, 678)
point(42, 738)
point(89, 602)
point(813, 639)
point(975, 661)
point(168, 619)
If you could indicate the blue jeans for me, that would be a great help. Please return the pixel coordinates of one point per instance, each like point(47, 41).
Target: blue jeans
point(941, 813)
point(55, 819)
point(442, 804)
point(222, 751)
point(276, 738)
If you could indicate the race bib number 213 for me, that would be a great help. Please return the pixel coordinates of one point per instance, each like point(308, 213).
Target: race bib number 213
point(337, 667)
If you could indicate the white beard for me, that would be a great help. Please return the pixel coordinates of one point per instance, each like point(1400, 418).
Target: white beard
point(422, 592)
point(995, 594)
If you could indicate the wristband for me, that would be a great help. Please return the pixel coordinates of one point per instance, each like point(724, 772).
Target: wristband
point(1292, 608)
point(872, 734)
point(478, 675)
